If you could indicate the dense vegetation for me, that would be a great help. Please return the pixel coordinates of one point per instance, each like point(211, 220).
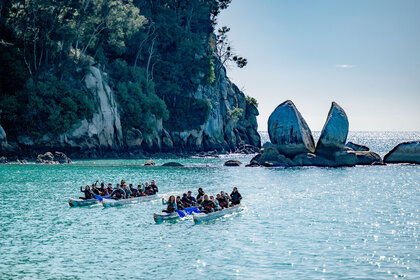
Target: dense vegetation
point(156, 53)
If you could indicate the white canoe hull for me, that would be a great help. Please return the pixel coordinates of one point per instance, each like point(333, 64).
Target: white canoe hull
point(121, 202)
point(83, 202)
point(199, 217)
point(162, 216)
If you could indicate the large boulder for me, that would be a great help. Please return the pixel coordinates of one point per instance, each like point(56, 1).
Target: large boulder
point(335, 130)
point(289, 132)
point(407, 152)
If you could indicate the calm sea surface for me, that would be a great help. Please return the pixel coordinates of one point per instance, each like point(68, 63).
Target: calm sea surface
point(297, 223)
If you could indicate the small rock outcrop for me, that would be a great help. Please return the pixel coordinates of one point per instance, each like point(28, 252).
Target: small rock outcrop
point(407, 152)
point(50, 158)
point(149, 162)
point(335, 130)
point(61, 158)
point(289, 132)
point(232, 163)
point(367, 158)
point(356, 147)
point(3, 159)
point(173, 164)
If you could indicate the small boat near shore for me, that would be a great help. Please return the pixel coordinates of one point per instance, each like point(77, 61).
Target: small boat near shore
point(121, 202)
point(199, 217)
point(83, 202)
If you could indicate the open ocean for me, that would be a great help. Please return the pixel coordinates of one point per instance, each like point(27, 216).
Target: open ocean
point(298, 223)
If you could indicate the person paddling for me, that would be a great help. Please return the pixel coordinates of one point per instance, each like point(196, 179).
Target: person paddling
point(154, 187)
point(191, 199)
point(118, 193)
point(200, 195)
point(171, 204)
point(88, 193)
point(207, 205)
point(235, 196)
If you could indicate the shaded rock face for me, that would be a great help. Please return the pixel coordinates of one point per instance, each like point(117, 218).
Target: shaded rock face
point(289, 132)
point(220, 131)
point(232, 163)
point(335, 130)
point(407, 152)
point(4, 146)
point(356, 147)
point(367, 158)
point(3, 160)
point(61, 157)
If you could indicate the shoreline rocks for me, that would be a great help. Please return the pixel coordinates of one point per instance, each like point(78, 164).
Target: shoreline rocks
point(406, 152)
point(50, 158)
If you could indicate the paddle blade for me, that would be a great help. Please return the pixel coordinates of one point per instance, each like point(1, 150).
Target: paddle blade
point(98, 197)
point(180, 213)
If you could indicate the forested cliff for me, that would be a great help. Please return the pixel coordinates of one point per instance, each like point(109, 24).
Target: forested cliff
point(125, 76)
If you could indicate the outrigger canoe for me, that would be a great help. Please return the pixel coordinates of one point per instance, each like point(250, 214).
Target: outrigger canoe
point(121, 202)
point(162, 216)
point(83, 202)
point(199, 217)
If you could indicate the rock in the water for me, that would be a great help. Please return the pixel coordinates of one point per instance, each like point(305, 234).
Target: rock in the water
point(47, 158)
point(407, 152)
point(272, 157)
point(173, 164)
point(336, 128)
point(289, 131)
point(367, 158)
point(61, 157)
point(3, 159)
point(232, 163)
point(356, 147)
point(149, 162)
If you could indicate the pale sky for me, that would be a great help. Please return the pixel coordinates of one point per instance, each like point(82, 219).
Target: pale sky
point(363, 54)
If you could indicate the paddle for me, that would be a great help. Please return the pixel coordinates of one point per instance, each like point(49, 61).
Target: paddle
point(180, 213)
point(100, 198)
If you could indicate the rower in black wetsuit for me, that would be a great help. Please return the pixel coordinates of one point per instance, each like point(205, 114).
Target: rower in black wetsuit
point(88, 193)
point(235, 196)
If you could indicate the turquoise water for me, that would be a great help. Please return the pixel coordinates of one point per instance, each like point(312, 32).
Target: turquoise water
point(297, 223)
